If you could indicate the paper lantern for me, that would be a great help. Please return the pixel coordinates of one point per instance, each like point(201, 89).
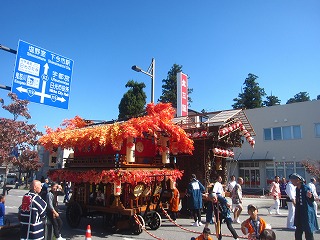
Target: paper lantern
point(117, 189)
point(130, 150)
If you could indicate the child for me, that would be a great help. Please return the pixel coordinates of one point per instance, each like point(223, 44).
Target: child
point(174, 202)
point(2, 209)
point(204, 235)
point(253, 225)
point(267, 234)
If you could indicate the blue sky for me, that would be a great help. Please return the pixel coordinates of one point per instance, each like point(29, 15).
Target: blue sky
point(217, 42)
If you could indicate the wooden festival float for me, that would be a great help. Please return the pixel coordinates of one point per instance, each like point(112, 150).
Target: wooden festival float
point(129, 162)
point(215, 135)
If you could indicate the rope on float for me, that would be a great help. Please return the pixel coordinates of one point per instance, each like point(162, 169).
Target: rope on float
point(143, 227)
point(170, 219)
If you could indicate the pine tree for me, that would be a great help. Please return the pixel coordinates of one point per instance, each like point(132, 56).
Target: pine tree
point(251, 96)
point(169, 87)
point(271, 101)
point(299, 97)
point(133, 101)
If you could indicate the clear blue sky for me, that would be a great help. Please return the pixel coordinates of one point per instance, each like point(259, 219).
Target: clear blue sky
point(217, 42)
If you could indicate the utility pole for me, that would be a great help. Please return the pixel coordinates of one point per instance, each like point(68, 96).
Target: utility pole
point(7, 49)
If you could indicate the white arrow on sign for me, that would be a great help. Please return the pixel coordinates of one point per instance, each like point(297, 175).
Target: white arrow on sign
point(46, 68)
point(42, 95)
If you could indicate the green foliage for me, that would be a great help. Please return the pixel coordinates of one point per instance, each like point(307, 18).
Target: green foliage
point(271, 101)
point(252, 94)
point(133, 101)
point(299, 97)
point(169, 87)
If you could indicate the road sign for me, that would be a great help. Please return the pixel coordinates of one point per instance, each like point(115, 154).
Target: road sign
point(41, 76)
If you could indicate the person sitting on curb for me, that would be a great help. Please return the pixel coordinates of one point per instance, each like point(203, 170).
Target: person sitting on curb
point(204, 236)
point(254, 225)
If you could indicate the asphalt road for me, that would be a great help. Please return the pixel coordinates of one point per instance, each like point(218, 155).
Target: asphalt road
point(167, 231)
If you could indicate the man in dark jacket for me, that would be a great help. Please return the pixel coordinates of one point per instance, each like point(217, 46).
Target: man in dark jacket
point(195, 190)
point(305, 218)
point(32, 213)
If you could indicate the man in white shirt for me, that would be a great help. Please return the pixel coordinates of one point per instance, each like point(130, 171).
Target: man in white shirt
point(291, 202)
point(312, 186)
point(217, 188)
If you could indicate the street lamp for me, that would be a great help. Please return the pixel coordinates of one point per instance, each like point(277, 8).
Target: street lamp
point(151, 73)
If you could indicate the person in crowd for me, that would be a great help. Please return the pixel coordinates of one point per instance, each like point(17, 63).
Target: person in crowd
point(67, 187)
point(283, 198)
point(44, 189)
point(217, 186)
point(231, 183)
point(174, 202)
point(276, 194)
point(254, 225)
point(305, 218)
point(204, 236)
point(2, 209)
point(32, 213)
point(210, 197)
point(312, 186)
point(236, 196)
point(100, 198)
point(52, 209)
point(291, 202)
point(195, 190)
point(267, 234)
point(222, 213)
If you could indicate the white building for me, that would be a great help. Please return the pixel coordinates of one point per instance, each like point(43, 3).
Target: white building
point(285, 135)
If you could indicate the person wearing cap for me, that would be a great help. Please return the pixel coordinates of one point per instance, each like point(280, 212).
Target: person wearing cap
point(204, 236)
point(195, 190)
point(291, 202)
point(276, 193)
point(312, 186)
point(305, 218)
point(254, 225)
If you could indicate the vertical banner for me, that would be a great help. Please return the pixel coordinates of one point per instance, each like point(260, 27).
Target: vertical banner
point(182, 94)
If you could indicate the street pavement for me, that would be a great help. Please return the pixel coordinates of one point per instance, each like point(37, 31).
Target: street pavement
point(167, 231)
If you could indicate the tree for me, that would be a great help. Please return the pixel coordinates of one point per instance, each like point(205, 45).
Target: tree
point(271, 101)
point(252, 94)
point(133, 101)
point(312, 167)
point(299, 97)
point(169, 87)
point(318, 97)
point(18, 138)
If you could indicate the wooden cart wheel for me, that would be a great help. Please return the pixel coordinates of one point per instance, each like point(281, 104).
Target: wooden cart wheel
point(137, 228)
point(154, 220)
point(73, 214)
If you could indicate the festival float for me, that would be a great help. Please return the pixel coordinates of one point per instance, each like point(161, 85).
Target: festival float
point(130, 163)
point(214, 134)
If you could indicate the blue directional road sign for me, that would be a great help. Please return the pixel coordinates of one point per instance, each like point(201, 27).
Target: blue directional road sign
point(41, 76)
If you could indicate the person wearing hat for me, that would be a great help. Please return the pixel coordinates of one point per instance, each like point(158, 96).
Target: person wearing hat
point(305, 218)
point(312, 186)
point(254, 225)
point(204, 236)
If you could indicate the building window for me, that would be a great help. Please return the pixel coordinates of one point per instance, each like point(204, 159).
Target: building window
point(276, 133)
point(267, 133)
point(284, 133)
point(317, 129)
point(289, 166)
